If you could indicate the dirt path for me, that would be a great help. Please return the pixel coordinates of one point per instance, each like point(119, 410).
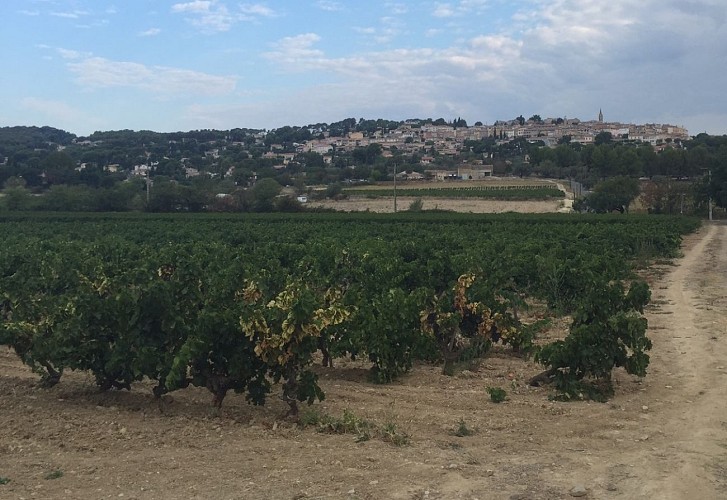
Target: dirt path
point(663, 437)
point(690, 361)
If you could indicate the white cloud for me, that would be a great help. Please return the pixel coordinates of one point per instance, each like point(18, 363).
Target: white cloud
point(257, 10)
point(70, 54)
point(461, 8)
point(98, 72)
point(365, 31)
point(397, 8)
point(295, 49)
point(74, 14)
point(64, 53)
point(198, 6)
point(150, 32)
point(329, 5)
point(29, 12)
point(444, 10)
point(212, 16)
point(389, 28)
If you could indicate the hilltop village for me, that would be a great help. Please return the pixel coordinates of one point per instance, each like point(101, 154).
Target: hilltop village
point(449, 139)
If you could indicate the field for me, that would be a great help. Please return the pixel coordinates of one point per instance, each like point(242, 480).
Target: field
point(429, 435)
point(497, 195)
point(465, 205)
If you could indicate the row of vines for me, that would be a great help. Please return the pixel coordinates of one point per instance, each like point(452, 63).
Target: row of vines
point(235, 303)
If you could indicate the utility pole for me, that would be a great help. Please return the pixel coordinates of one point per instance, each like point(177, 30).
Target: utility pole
point(709, 189)
point(710, 195)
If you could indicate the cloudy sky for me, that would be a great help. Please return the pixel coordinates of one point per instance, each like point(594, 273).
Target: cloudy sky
point(86, 65)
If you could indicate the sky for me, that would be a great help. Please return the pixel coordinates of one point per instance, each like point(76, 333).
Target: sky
point(88, 65)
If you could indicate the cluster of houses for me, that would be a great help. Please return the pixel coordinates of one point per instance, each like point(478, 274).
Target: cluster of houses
point(449, 140)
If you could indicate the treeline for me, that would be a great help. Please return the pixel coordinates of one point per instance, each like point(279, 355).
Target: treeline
point(594, 162)
point(162, 195)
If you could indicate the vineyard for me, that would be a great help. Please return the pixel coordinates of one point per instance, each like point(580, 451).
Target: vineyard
point(242, 303)
point(494, 192)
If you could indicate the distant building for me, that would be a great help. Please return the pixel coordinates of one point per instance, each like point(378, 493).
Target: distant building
point(474, 173)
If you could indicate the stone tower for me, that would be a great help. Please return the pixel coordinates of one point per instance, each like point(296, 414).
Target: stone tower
point(600, 116)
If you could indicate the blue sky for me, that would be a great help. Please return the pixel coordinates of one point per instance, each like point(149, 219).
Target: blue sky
point(86, 65)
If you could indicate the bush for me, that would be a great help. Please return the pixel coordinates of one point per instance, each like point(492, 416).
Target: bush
point(497, 395)
point(607, 331)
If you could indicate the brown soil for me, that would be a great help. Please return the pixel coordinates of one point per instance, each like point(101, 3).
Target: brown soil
point(474, 205)
point(356, 203)
point(661, 437)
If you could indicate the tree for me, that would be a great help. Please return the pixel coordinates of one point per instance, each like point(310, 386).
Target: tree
point(459, 123)
point(15, 182)
point(565, 156)
point(367, 155)
point(603, 138)
point(59, 168)
point(535, 119)
point(615, 193)
point(264, 192)
point(17, 198)
point(565, 139)
point(662, 195)
point(165, 196)
point(311, 159)
point(64, 198)
point(718, 177)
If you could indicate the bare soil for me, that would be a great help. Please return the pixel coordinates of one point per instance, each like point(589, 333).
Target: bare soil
point(356, 203)
point(663, 437)
point(473, 205)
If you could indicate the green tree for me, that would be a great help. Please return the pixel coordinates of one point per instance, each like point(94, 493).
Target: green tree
point(59, 168)
point(15, 182)
point(565, 139)
point(565, 156)
point(662, 195)
point(264, 192)
point(62, 198)
point(603, 138)
point(718, 175)
point(615, 193)
point(17, 198)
